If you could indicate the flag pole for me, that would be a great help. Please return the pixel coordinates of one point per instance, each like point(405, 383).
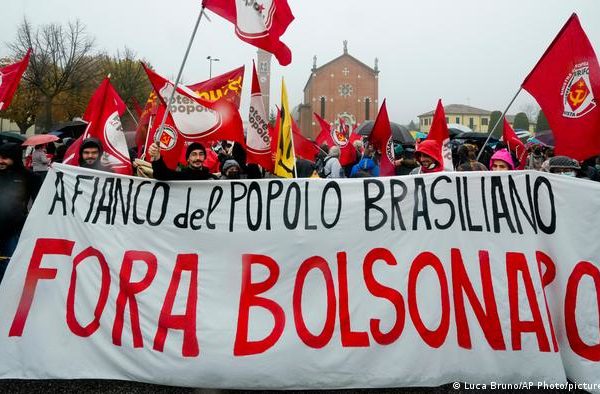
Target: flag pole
point(498, 122)
point(132, 117)
point(187, 52)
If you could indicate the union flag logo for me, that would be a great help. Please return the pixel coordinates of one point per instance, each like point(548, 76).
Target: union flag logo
point(168, 138)
point(578, 98)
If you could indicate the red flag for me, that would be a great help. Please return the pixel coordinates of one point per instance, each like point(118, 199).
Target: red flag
point(258, 140)
point(259, 24)
point(566, 84)
point(439, 132)
point(10, 76)
point(197, 119)
point(381, 138)
point(514, 144)
point(303, 147)
point(340, 137)
point(102, 115)
point(227, 86)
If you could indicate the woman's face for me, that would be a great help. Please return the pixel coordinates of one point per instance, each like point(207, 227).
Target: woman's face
point(499, 165)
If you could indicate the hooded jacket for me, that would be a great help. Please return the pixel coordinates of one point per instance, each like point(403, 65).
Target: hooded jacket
point(432, 149)
point(16, 184)
point(505, 156)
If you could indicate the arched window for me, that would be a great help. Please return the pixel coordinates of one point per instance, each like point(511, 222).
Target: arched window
point(323, 100)
point(367, 108)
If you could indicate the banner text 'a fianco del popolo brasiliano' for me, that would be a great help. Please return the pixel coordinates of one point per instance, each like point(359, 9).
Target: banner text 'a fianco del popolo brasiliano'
point(417, 280)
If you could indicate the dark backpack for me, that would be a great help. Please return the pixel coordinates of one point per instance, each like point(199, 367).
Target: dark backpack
point(320, 166)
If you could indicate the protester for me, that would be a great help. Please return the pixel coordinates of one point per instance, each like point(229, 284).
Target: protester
point(40, 164)
point(564, 165)
point(231, 170)
point(195, 169)
point(404, 159)
point(429, 156)
point(467, 158)
point(366, 167)
point(333, 168)
point(90, 155)
point(16, 184)
point(502, 161)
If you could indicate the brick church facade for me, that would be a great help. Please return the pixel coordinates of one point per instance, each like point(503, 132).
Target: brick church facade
point(342, 88)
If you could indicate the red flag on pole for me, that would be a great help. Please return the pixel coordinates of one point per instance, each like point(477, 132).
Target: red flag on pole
point(439, 132)
point(303, 147)
point(10, 76)
point(197, 119)
point(259, 24)
point(104, 124)
point(381, 138)
point(566, 84)
point(514, 144)
point(340, 137)
point(258, 141)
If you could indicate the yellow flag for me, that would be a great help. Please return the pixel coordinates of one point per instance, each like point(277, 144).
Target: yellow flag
point(285, 159)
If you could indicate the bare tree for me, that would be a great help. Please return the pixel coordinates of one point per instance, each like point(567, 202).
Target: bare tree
point(62, 62)
point(531, 110)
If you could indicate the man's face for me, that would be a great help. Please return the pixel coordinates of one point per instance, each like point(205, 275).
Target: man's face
point(196, 159)
point(5, 163)
point(499, 165)
point(90, 155)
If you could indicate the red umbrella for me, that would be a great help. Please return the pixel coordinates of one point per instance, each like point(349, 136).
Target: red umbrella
point(40, 139)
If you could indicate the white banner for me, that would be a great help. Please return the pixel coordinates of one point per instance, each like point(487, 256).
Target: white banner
point(297, 284)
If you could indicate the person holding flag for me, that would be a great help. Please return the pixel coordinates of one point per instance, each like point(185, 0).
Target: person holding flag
point(195, 170)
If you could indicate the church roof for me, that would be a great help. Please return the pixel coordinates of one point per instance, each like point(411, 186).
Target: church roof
point(344, 55)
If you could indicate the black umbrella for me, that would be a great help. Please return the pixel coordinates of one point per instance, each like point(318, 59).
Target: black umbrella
point(400, 134)
point(69, 129)
point(475, 136)
point(11, 136)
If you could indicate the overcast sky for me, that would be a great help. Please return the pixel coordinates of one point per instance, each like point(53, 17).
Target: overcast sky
point(474, 52)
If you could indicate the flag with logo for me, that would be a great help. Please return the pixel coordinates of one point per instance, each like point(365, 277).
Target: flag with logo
point(226, 86)
point(10, 76)
point(258, 140)
point(340, 136)
point(303, 147)
point(103, 116)
point(258, 23)
point(285, 158)
point(381, 138)
point(195, 118)
point(566, 84)
point(439, 132)
point(514, 144)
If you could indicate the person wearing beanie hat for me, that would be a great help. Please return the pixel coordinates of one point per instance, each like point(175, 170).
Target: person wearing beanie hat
point(16, 184)
point(502, 161)
point(195, 155)
point(429, 156)
point(231, 169)
point(564, 165)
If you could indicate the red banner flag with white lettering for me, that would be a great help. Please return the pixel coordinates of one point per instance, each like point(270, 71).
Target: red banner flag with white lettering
point(381, 138)
point(514, 144)
point(197, 119)
point(259, 24)
point(439, 132)
point(10, 76)
point(258, 140)
point(103, 116)
point(566, 84)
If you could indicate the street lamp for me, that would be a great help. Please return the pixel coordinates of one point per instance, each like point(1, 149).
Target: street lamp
point(210, 60)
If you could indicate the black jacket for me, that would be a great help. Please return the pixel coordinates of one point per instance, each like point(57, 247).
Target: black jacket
point(163, 173)
point(16, 185)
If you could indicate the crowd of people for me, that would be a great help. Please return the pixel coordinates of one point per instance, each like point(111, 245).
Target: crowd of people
point(21, 179)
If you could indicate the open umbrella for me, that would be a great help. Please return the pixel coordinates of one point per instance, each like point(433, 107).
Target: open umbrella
point(400, 134)
point(69, 129)
point(11, 136)
point(40, 139)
